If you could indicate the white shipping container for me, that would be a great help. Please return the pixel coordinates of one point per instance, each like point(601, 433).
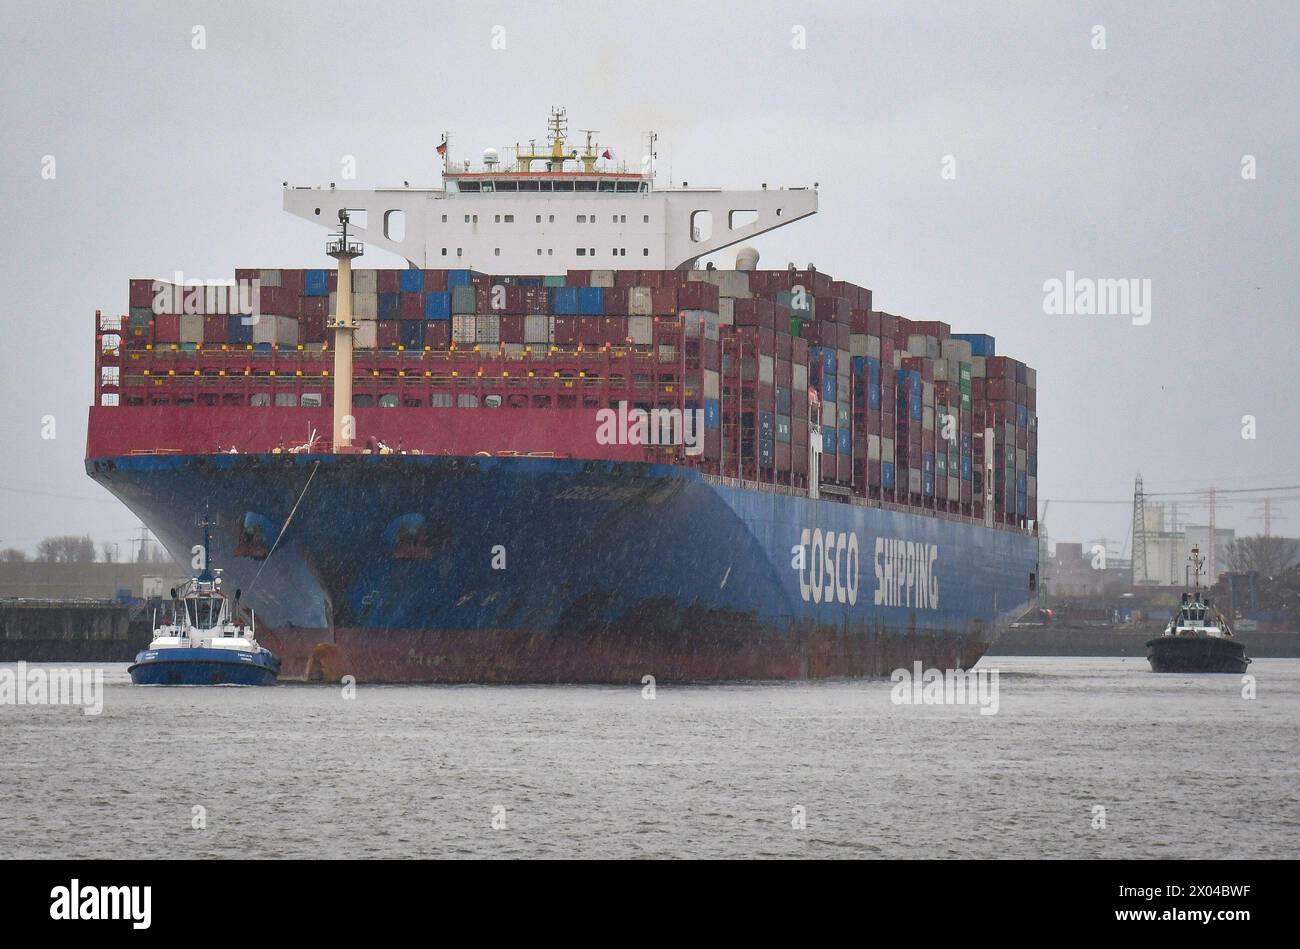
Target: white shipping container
point(514, 350)
point(1022, 461)
point(873, 347)
point(873, 447)
point(954, 488)
point(286, 330)
point(731, 284)
point(914, 480)
point(711, 384)
point(941, 371)
point(727, 311)
point(927, 418)
point(887, 449)
point(927, 394)
point(640, 329)
point(640, 302)
point(366, 335)
point(537, 329)
point(462, 328)
point(365, 306)
point(697, 322)
point(365, 281)
point(766, 369)
point(269, 278)
point(977, 367)
point(857, 344)
point(1032, 487)
point(487, 328)
point(1031, 378)
point(800, 377)
point(192, 327)
point(602, 278)
point(957, 350)
point(264, 330)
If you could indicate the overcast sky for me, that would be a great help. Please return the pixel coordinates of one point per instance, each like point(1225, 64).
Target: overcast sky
point(1123, 162)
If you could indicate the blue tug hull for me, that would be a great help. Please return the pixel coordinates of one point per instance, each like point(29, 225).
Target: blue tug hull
point(427, 568)
point(198, 665)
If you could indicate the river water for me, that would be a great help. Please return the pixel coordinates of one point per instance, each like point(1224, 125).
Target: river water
point(1182, 766)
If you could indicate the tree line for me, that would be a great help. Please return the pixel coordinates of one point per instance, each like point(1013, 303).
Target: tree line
point(71, 548)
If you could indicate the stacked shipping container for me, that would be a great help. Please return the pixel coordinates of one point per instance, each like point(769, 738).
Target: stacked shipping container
point(792, 372)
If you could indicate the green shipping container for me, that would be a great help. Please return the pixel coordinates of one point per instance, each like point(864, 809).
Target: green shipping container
point(462, 301)
point(553, 281)
point(806, 312)
point(795, 325)
point(140, 317)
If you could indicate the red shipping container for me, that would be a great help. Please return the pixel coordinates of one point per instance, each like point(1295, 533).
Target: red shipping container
point(783, 456)
point(664, 301)
point(754, 312)
point(411, 306)
point(625, 278)
point(247, 274)
point(697, 295)
point(141, 293)
point(846, 291)
point(388, 334)
point(437, 334)
point(799, 350)
point(935, 328)
point(314, 306)
point(216, 328)
point(311, 328)
point(613, 329)
point(832, 309)
point(537, 301)
point(333, 278)
point(818, 284)
point(650, 278)
point(291, 280)
point(512, 328)
point(167, 328)
point(278, 301)
point(389, 281)
point(434, 280)
point(1000, 367)
point(591, 332)
point(578, 278)
point(615, 301)
point(483, 298)
point(566, 330)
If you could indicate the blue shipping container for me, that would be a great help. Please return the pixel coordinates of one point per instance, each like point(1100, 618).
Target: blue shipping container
point(564, 301)
point(437, 305)
point(389, 306)
point(458, 278)
point(965, 467)
point(846, 441)
point(238, 331)
point(829, 441)
point(591, 301)
point(412, 280)
point(980, 345)
point(712, 416)
point(412, 334)
point(887, 474)
point(316, 283)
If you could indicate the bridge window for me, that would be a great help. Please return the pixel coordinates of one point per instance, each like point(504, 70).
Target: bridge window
point(737, 219)
point(701, 226)
point(607, 186)
point(528, 186)
point(469, 186)
point(507, 186)
point(586, 186)
point(563, 185)
point(582, 252)
point(627, 186)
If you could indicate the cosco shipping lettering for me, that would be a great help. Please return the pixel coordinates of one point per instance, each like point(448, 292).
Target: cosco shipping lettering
point(416, 467)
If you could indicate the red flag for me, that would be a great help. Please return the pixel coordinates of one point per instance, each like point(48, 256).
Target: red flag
point(607, 154)
point(442, 149)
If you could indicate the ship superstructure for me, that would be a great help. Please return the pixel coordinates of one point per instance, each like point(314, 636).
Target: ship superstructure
point(552, 210)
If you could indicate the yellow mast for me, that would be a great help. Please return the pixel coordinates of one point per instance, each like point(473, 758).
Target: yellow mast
point(557, 155)
point(343, 250)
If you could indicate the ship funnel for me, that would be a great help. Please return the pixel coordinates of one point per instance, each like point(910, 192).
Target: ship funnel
point(747, 259)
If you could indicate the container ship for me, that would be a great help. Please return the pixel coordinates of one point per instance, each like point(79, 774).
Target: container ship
point(553, 448)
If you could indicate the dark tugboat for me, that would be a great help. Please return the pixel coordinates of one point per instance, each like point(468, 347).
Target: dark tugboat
point(1197, 638)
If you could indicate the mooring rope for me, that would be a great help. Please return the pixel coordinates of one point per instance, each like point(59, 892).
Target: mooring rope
point(285, 528)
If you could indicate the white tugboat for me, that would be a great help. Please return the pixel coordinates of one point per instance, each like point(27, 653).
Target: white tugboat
point(1197, 637)
point(201, 642)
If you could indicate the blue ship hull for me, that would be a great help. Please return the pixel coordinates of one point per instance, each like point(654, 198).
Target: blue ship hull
point(426, 568)
point(197, 665)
